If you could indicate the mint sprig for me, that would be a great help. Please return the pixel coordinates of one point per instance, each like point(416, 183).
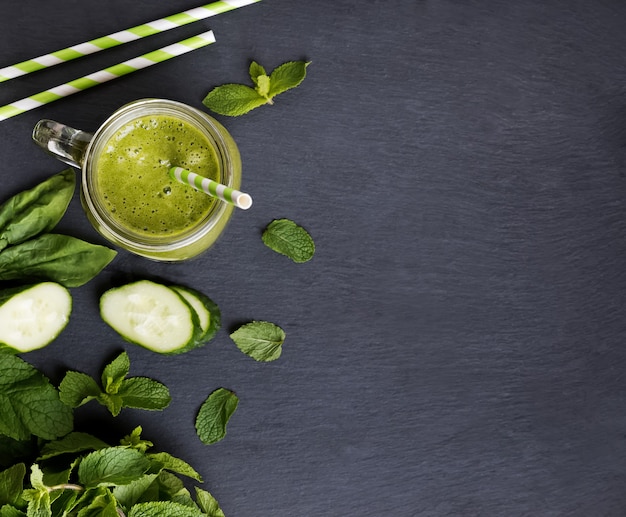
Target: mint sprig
point(117, 392)
point(114, 481)
point(77, 474)
point(237, 99)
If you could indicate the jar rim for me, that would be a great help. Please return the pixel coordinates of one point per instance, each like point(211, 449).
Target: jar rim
point(140, 242)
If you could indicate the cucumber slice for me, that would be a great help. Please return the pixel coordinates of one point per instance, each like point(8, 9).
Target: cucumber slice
point(207, 310)
point(151, 315)
point(32, 316)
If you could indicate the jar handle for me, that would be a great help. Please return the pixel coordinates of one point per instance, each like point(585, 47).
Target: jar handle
point(61, 141)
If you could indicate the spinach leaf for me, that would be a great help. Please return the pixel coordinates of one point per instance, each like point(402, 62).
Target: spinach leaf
point(37, 210)
point(67, 260)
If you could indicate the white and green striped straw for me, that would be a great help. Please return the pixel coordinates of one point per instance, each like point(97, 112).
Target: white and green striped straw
point(105, 75)
point(212, 188)
point(119, 38)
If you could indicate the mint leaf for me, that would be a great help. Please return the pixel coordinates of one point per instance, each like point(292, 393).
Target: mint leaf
point(263, 86)
point(163, 509)
point(29, 404)
point(172, 488)
point(178, 466)
point(256, 71)
point(144, 393)
point(128, 495)
point(261, 340)
point(135, 441)
point(214, 414)
point(12, 484)
point(165, 487)
point(10, 511)
point(287, 76)
point(36, 478)
point(102, 505)
point(38, 497)
point(287, 238)
point(233, 99)
point(77, 389)
point(208, 503)
point(114, 373)
point(39, 504)
point(71, 444)
point(112, 466)
point(79, 503)
point(112, 402)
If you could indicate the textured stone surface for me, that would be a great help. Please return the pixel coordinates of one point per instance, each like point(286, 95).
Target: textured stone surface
point(457, 344)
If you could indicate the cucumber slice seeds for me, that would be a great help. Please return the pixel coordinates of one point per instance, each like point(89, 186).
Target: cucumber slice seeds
point(152, 315)
point(32, 316)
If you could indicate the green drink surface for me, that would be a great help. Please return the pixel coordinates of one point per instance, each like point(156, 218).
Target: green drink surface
point(133, 175)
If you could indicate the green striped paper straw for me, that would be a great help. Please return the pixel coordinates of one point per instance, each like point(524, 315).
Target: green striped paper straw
point(105, 75)
point(212, 188)
point(119, 38)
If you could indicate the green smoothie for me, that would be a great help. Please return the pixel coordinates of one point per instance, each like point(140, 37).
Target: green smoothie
point(132, 175)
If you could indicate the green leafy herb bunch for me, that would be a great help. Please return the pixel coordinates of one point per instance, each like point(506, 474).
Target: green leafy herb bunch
point(54, 470)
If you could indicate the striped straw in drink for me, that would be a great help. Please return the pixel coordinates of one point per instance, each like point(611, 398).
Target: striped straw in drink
point(212, 188)
point(105, 75)
point(119, 38)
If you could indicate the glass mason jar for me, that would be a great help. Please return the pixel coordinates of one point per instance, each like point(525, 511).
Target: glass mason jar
point(83, 150)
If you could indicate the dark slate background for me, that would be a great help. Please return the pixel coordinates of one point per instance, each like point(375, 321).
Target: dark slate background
point(456, 346)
